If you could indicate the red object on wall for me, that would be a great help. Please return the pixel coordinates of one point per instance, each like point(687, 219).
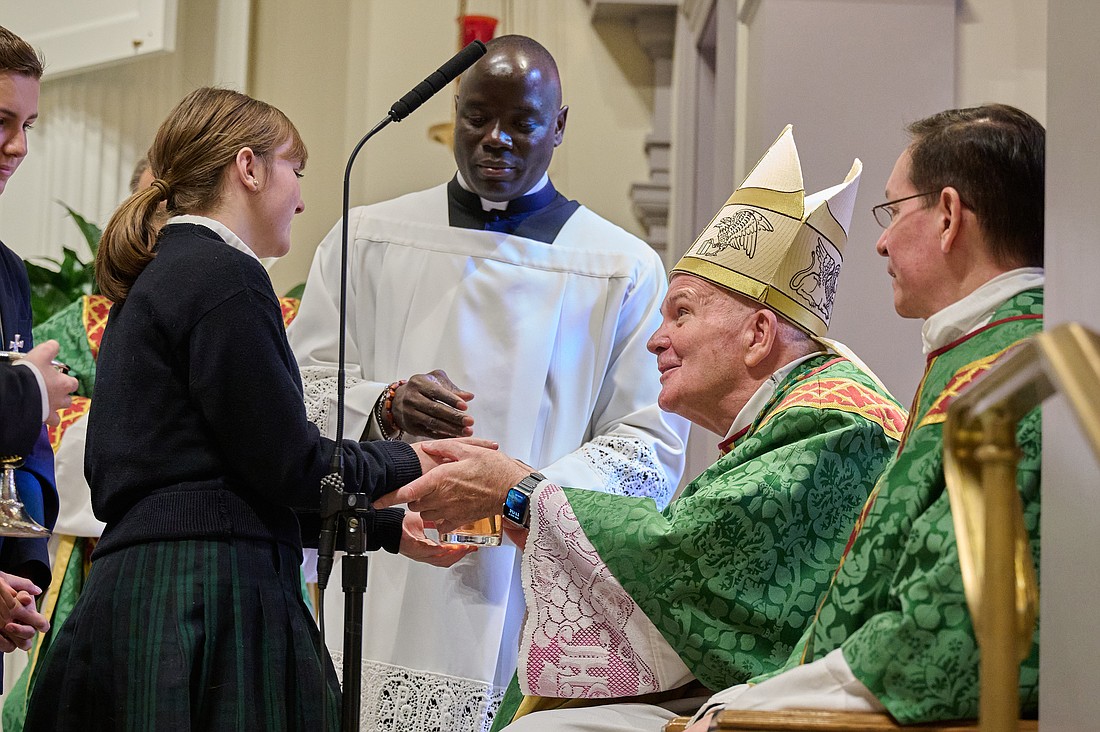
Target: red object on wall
point(477, 28)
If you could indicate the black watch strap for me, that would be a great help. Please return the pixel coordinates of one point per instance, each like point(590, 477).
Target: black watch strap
point(517, 504)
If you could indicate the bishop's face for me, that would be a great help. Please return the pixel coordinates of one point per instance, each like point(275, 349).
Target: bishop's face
point(700, 352)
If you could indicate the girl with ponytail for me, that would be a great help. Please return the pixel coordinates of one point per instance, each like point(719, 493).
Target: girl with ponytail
point(200, 458)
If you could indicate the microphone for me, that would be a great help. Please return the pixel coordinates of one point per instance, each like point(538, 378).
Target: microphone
point(443, 76)
point(335, 502)
point(332, 496)
point(332, 485)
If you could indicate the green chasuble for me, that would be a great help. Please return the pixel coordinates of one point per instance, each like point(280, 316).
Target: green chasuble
point(73, 327)
point(896, 607)
point(723, 581)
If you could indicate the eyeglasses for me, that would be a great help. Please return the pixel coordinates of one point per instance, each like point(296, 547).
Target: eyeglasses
point(884, 213)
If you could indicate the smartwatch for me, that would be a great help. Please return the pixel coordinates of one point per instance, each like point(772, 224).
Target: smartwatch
point(516, 510)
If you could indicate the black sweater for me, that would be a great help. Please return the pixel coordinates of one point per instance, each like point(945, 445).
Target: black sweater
point(22, 432)
point(198, 428)
point(20, 397)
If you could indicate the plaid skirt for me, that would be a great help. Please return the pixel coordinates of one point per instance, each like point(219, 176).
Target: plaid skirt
point(188, 635)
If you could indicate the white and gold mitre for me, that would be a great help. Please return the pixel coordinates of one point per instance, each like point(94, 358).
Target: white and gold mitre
point(776, 245)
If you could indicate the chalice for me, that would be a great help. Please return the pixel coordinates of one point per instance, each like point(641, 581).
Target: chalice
point(14, 519)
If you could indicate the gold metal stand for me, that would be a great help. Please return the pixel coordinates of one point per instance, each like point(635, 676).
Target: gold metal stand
point(980, 461)
point(801, 720)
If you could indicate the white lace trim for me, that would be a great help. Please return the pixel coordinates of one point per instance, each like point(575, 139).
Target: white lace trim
point(584, 636)
point(396, 699)
point(319, 389)
point(629, 467)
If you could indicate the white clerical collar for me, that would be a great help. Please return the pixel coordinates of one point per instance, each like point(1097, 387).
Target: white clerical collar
point(487, 205)
point(760, 397)
point(977, 308)
point(218, 228)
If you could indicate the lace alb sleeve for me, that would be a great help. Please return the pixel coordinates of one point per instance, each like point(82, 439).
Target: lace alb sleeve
point(319, 389)
point(628, 466)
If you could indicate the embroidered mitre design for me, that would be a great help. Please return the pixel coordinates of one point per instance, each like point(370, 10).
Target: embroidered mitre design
point(776, 245)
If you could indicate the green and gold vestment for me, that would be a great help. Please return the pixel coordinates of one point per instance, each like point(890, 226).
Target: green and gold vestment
point(724, 580)
point(896, 607)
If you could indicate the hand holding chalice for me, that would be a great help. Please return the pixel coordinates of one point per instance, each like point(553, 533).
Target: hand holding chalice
point(14, 519)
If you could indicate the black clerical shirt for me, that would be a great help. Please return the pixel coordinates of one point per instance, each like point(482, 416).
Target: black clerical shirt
point(539, 215)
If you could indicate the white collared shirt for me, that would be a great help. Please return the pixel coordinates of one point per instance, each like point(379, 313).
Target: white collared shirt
point(218, 228)
point(760, 397)
point(977, 308)
point(487, 205)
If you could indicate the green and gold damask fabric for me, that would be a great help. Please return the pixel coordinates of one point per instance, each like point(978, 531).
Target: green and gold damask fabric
point(897, 607)
point(67, 327)
point(731, 572)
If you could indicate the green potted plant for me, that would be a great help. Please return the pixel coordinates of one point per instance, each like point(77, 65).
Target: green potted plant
point(70, 278)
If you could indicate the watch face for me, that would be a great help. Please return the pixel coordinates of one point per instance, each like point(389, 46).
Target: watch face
point(515, 507)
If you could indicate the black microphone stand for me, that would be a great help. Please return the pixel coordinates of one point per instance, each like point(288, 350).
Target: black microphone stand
point(352, 511)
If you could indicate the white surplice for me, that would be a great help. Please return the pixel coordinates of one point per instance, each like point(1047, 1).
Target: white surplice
point(551, 340)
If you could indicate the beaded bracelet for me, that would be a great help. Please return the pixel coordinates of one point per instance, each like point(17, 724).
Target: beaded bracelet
point(383, 411)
